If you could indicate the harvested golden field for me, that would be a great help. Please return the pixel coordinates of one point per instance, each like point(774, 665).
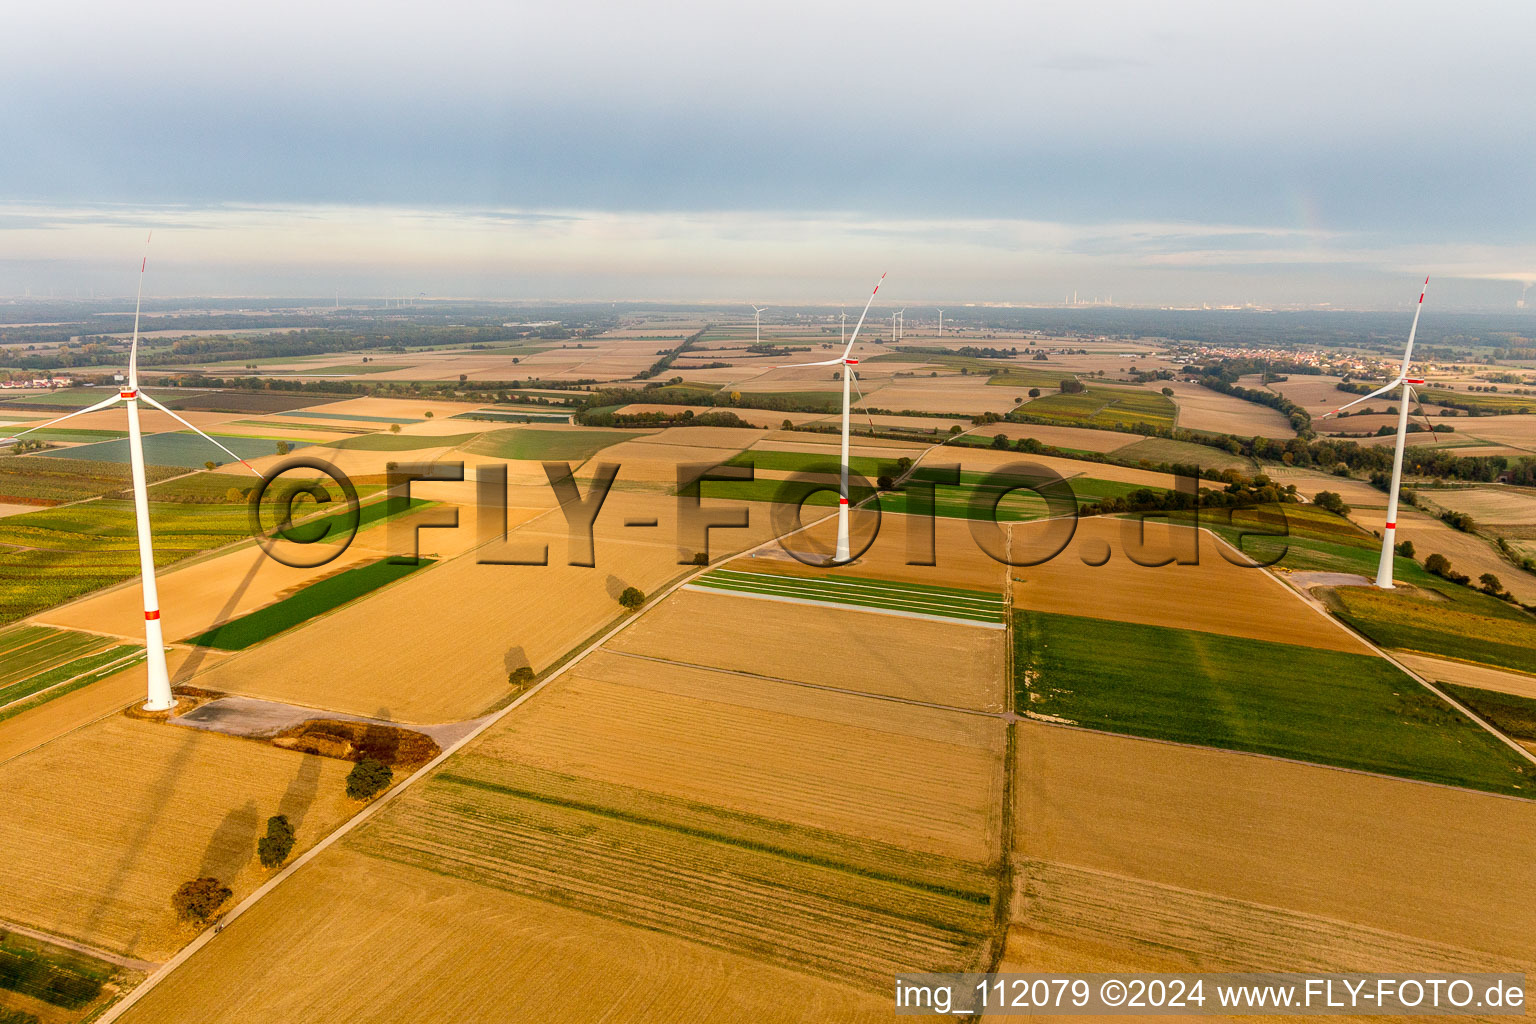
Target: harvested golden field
point(730, 439)
point(199, 596)
point(405, 408)
point(1492, 505)
point(1316, 393)
point(828, 646)
point(1081, 438)
point(102, 827)
point(63, 714)
point(926, 779)
point(925, 424)
point(368, 941)
point(438, 646)
point(1200, 408)
point(1468, 552)
point(1370, 843)
point(1214, 596)
point(964, 396)
point(1481, 676)
point(1515, 431)
point(986, 460)
point(1356, 493)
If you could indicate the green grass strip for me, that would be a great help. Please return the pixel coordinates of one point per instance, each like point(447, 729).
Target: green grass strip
point(973, 606)
point(37, 700)
point(315, 599)
point(43, 680)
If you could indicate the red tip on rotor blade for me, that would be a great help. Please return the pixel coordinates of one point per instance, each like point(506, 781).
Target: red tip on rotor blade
point(144, 264)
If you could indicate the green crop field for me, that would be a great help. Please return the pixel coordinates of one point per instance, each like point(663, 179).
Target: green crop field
point(42, 480)
point(556, 445)
point(809, 462)
point(1348, 710)
point(533, 414)
point(66, 435)
point(315, 599)
point(310, 414)
point(1164, 449)
point(1447, 620)
point(1104, 407)
point(40, 664)
point(883, 595)
point(176, 449)
point(354, 368)
point(1482, 401)
point(382, 442)
point(1512, 715)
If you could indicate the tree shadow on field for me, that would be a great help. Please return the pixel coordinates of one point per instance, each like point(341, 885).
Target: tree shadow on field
point(301, 792)
point(615, 586)
point(158, 796)
point(232, 844)
point(514, 659)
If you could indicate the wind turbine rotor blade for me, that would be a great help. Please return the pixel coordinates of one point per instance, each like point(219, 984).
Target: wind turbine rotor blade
point(824, 362)
point(103, 404)
point(855, 335)
point(1379, 391)
point(133, 349)
point(205, 437)
point(1408, 352)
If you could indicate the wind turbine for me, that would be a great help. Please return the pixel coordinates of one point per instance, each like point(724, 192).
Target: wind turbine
point(843, 550)
point(1384, 567)
point(757, 317)
point(901, 323)
point(159, 696)
point(941, 321)
point(844, 338)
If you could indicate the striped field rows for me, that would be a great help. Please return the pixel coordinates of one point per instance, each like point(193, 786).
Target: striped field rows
point(873, 594)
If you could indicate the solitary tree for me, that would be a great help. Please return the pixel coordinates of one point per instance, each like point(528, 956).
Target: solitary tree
point(1405, 548)
point(200, 899)
point(1168, 392)
point(632, 598)
point(1330, 501)
point(1438, 564)
point(1034, 392)
point(884, 482)
point(210, 465)
point(1491, 584)
point(367, 778)
point(520, 676)
point(283, 447)
point(274, 847)
point(428, 413)
point(394, 428)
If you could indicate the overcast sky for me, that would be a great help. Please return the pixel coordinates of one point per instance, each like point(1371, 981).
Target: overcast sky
point(1162, 153)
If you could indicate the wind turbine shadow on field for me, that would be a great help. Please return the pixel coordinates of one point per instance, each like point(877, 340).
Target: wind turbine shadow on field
point(301, 792)
point(157, 797)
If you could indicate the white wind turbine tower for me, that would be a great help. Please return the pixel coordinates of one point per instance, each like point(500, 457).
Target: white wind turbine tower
point(1388, 536)
point(844, 338)
point(757, 318)
point(941, 321)
point(159, 697)
point(901, 323)
point(843, 549)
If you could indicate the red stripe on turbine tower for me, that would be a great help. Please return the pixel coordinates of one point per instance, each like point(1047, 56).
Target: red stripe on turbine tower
point(1391, 526)
point(150, 616)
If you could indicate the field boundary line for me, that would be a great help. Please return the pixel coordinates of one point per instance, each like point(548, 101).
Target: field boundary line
point(1320, 766)
point(872, 609)
point(76, 946)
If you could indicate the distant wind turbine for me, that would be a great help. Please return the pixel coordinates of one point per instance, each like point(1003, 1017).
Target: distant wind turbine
point(941, 321)
point(901, 323)
point(159, 696)
point(843, 549)
point(1389, 535)
point(844, 338)
point(757, 317)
